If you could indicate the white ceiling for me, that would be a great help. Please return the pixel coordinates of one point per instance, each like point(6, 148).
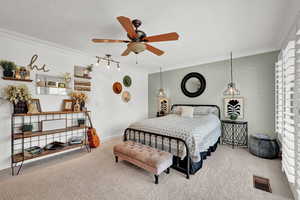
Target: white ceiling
point(208, 29)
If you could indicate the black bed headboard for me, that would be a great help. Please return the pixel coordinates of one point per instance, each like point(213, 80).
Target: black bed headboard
point(198, 105)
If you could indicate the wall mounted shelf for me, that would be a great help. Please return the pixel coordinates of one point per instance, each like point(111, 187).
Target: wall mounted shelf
point(15, 79)
point(84, 77)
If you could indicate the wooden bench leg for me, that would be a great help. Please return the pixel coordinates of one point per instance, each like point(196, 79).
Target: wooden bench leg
point(156, 179)
point(116, 159)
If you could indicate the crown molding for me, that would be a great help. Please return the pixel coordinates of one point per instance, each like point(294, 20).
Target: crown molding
point(35, 41)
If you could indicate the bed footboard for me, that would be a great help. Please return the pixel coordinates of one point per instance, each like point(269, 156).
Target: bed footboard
point(162, 142)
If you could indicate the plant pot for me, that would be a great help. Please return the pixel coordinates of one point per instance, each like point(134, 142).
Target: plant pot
point(20, 107)
point(82, 105)
point(8, 73)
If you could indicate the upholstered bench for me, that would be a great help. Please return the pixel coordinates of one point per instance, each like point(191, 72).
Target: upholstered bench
point(146, 157)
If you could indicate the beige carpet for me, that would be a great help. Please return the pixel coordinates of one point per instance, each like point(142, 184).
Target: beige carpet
point(226, 175)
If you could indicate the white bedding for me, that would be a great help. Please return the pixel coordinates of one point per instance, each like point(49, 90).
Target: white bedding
point(199, 132)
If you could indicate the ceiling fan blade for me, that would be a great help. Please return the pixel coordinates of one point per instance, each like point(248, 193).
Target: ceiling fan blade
point(154, 50)
point(126, 52)
point(127, 25)
point(162, 37)
point(109, 40)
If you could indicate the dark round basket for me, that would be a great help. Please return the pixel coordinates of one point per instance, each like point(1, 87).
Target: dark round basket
point(263, 146)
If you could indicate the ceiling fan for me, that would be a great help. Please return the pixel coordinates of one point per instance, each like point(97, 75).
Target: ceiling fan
point(138, 40)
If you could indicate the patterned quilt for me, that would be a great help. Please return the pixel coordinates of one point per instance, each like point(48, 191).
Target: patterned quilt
point(199, 132)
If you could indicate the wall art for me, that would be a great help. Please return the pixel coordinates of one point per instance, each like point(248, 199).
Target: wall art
point(234, 106)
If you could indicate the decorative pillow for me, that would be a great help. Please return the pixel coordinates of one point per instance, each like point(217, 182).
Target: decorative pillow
point(187, 111)
point(176, 110)
point(199, 110)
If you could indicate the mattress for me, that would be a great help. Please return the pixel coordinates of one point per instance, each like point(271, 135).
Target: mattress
point(199, 132)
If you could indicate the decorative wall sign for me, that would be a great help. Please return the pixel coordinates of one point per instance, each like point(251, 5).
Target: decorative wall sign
point(32, 66)
point(126, 96)
point(117, 87)
point(127, 81)
point(234, 106)
point(193, 84)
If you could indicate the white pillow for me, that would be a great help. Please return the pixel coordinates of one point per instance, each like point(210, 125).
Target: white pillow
point(176, 110)
point(202, 110)
point(187, 111)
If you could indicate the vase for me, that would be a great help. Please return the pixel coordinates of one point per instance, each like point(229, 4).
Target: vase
point(20, 107)
point(76, 107)
point(8, 73)
point(82, 105)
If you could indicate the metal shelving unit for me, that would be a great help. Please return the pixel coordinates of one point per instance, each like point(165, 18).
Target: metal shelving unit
point(20, 140)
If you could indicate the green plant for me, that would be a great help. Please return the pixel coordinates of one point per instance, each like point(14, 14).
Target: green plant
point(89, 68)
point(14, 94)
point(8, 65)
point(233, 116)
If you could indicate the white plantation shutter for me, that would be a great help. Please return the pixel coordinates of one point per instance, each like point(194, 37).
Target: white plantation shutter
point(288, 125)
point(297, 109)
point(279, 99)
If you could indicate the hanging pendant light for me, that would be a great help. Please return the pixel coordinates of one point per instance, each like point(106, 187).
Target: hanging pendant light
point(161, 92)
point(231, 89)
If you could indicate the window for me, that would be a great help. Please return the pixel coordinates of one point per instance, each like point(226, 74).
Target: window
point(285, 108)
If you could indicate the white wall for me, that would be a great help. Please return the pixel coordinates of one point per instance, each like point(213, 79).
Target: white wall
point(254, 76)
point(110, 114)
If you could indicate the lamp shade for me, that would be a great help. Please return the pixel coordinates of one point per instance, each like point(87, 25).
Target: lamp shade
point(231, 90)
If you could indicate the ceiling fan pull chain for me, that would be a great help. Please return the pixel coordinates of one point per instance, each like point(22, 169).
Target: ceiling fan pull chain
point(136, 59)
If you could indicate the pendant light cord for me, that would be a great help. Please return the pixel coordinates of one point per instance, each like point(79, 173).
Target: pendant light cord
point(160, 78)
point(231, 67)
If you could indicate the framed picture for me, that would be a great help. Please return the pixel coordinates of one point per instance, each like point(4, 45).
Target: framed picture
point(34, 106)
point(234, 105)
point(68, 105)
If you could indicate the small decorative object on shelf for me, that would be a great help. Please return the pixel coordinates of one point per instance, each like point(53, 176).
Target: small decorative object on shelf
point(8, 68)
point(68, 105)
point(34, 106)
point(27, 127)
point(81, 122)
point(80, 98)
point(235, 133)
point(76, 107)
point(19, 96)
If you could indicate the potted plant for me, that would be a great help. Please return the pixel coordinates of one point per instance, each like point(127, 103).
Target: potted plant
point(8, 68)
point(88, 70)
point(233, 116)
point(18, 96)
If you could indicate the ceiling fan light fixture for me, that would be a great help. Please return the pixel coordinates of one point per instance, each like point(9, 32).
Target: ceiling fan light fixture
point(137, 47)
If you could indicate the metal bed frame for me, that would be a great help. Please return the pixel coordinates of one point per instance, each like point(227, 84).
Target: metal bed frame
point(140, 136)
